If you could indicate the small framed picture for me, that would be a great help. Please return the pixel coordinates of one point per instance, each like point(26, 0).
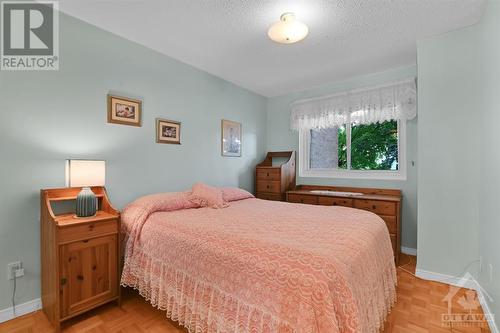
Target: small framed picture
point(231, 138)
point(124, 111)
point(168, 131)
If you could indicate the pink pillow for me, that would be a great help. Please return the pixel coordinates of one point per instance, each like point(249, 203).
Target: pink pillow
point(234, 193)
point(207, 196)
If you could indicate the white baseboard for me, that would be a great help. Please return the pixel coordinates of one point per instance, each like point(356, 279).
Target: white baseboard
point(21, 309)
point(444, 278)
point(459, 282)
point(486, 309)
point(409, 250)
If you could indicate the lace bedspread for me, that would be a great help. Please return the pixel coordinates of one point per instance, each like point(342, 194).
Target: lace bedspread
point(260, 266)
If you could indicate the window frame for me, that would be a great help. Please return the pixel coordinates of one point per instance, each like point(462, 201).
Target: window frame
point(306, 171)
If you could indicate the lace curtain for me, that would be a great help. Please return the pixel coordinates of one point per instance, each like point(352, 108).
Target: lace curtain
point(395, 101)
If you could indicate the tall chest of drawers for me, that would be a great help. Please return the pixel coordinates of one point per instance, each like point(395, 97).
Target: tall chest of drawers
point(386, 203)
point(275, 175)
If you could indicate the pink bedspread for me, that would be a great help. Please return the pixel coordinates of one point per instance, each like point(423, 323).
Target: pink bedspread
point(260, 266)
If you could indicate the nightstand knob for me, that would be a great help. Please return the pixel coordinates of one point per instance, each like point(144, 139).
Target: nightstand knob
point(79, 277)
point(91, 227)
point(63, 281)
point(373, 207)
point(268, 174)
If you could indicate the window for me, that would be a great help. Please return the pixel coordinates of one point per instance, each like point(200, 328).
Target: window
point(373, 151)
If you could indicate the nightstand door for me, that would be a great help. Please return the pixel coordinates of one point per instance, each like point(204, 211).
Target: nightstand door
point(88, 273)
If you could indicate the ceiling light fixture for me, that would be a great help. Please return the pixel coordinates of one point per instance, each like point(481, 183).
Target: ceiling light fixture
point(288, 30)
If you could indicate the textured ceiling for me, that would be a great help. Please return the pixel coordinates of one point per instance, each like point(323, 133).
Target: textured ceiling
point(228, 38)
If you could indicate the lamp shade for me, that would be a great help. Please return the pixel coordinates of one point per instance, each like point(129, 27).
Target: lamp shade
point(80, 173)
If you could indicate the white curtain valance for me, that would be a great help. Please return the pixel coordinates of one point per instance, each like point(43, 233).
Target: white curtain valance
point(395, 101)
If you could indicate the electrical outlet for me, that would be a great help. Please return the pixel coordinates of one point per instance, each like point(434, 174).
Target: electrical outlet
point(491, 272)
point(15, 268)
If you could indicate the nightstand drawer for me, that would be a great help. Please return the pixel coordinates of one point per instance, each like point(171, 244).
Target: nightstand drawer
point(376, 206)
point(329, 201)
point(86, 231)
point(268, 196)
point(268, 174)
point(269, 186)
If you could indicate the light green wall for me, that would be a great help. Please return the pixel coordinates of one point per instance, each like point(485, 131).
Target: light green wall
point(48, 117)
point(448, 150)
point(280, 137)
point(458, 136)
point(489, 218)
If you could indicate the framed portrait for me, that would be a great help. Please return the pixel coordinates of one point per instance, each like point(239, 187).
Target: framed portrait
point(231, 138)
point(124, 111)
point(168, 131)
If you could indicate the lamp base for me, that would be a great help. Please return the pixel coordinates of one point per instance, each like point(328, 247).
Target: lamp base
point(86, 203)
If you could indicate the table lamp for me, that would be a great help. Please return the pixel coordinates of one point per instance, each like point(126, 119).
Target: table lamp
point(85, 173)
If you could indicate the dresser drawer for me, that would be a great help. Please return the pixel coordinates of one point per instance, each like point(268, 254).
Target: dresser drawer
point(305, 199)
point(86, 231)
point(394, 242)
point(329, 201)
point(268, 186)
point(376, 206)
point(268, 174)
point(391, 223)
point(268, 196)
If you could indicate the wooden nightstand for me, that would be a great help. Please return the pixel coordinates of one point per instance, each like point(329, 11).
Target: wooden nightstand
point(80, 265)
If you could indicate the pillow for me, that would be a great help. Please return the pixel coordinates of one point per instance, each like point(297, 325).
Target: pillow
point(234, 193)
point(207, 196)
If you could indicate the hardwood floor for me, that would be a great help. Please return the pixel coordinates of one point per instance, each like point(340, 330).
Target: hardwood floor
point(418, 310)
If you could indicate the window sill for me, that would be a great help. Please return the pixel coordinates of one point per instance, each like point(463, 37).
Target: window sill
point(373, 175)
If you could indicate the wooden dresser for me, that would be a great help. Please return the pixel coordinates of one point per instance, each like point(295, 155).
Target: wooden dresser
point(80, 266)
point(386, 203)
point(273, 179)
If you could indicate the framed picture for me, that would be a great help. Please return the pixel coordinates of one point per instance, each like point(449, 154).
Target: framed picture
point(125, 111)
point(168, 131)
point(231, 138)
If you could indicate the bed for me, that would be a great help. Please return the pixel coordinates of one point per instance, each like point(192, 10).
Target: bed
point(259, 266)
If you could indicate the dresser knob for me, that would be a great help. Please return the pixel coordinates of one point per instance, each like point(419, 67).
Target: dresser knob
point(79, 277)
point(91, 227)
point(335, 204)
point(373, 207)
point(268, 174)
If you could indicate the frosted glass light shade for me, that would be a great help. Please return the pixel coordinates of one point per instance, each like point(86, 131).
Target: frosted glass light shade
point(80, 173)
point(288, 30)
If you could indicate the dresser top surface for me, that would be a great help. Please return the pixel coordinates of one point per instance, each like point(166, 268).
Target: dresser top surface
point(339, 194)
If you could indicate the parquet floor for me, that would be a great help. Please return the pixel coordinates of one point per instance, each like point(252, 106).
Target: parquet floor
point(418, 310)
